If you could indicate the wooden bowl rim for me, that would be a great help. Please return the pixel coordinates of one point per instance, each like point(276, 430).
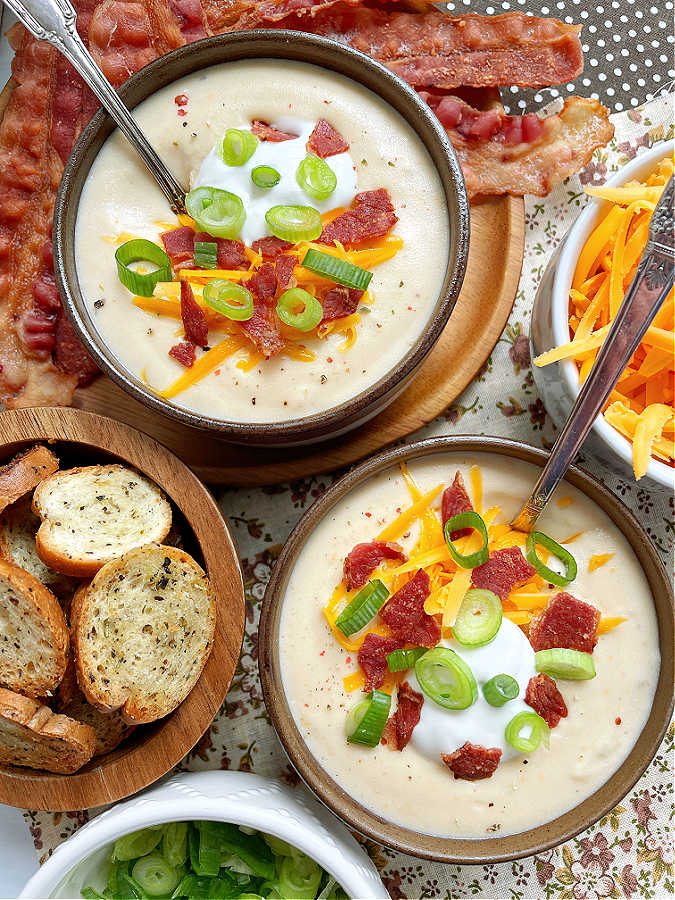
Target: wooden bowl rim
point(466, 850)
point(123, 772)
point(313, 50)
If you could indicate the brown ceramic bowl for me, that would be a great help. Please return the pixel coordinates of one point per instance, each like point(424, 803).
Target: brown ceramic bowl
point(80, 438)
point(461, 850)
point(329, 55)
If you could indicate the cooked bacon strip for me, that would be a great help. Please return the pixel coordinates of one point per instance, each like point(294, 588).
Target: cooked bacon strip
point(283, 269)
point(270, 247)
point(70, 357)
point(179, 244)
point(339, 302)
point(363, 559)
point(399, 728)
point(262, 330)
point(263, 283)
point(266, 132)
point(543, 696)
point(371, 216)
point(404, 613)
point(194, 320)
point(372, 658)
point(190, 18)
point(455, 500)
point(505, 570)
point(325, 140)
point(473, 762)
point(566, 622)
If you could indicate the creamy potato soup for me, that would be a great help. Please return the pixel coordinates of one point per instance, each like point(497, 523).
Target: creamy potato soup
point(483, 683)
point(254, 352)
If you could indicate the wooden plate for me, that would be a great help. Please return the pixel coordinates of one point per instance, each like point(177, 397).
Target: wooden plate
point(154, 749)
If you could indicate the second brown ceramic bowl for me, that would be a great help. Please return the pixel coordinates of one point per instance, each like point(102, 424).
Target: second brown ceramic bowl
point(465, 850)
point(286, 45)
point(81, 438)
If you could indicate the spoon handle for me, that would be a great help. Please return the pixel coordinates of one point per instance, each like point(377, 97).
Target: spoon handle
point(54, 21)
point(649, 288)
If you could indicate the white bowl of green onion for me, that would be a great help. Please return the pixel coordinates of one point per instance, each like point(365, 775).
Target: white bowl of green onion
point(211, 834)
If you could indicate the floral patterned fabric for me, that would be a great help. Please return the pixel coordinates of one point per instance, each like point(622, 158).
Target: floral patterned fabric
point(629, 853)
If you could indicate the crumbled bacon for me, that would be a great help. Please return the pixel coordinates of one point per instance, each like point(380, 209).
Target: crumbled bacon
point(270, 247)
point(190, 17)
point(473, 762)
point(363, 559)
point(263, 283)
point(263, 331)
point(70, 357)
point(566, 622)
point(194, 320)
point(505, 570)
point(325, 140)
point(283, 269)
point(179, 244)
point(266, 132)
point(372, 658)
point(543, 696)
point(456, 500)
point(371, 215)
point(184, 353)
point(231, 254)
point(404, 613)
point(339, 302)
point(400, 726)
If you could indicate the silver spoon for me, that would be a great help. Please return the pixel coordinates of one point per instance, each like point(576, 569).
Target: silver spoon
point(647, 291)
point(54, 21)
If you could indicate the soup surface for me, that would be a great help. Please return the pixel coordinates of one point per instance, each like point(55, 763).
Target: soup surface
point(120, 201)
point(413, 788)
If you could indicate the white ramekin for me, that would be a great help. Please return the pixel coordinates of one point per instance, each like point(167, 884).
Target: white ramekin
point(239, 797)
point(558, 383)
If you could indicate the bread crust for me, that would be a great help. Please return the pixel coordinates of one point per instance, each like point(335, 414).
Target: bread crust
point(24, 472)
point(32, 735)
point(40, 605)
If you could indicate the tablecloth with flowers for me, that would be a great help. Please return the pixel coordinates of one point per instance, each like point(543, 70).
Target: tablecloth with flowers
point(628, 853)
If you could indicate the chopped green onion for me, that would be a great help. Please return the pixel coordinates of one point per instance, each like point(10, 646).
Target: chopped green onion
point(238, 146)
point(364, 607)
point(217, 212)
point(265, 177)
point(252, 849)
point(128, 888)
point(209, 855)
point(566, 558)
point(205, 888)
point(500, 689)
point(229, 299)
point(294, 223)
point(299, 877)
point(568, 665)
point(206, 255)
point(140, 250)
point(155, 876)
point(89, 893)
point(316, 177)
point(341, 271)
point(446, 679)
point(277, 846)
point(140, 843)
point(366, 721)
point(174, 843)
point(469, 519)
point(298, 309)
point(526, 731)
point(479, 618)
point(402, 660)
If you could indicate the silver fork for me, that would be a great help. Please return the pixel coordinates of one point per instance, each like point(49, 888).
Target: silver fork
point(649, 288)
point(54, 21)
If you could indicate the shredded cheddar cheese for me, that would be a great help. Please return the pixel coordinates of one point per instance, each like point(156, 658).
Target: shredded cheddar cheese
point(598, 560)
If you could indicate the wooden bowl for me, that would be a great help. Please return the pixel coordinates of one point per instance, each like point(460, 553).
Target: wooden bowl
point(285, 45)
point(465, 850)
point(153, 749)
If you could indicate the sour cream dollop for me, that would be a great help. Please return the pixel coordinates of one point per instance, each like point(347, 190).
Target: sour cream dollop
point(285, 157)
point(443, 730)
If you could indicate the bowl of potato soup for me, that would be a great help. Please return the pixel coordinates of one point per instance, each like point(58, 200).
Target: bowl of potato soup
point(322, 252)
point(453, 688)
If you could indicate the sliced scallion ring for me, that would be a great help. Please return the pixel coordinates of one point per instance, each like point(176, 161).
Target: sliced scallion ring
point(294, 223)
point(155, 876)
point(206, 254)
point(366, 721)
point(526, 731)
point(566, 558)
point(238, 146)
point(568, 665)
point(341, 271)
point(265, 177)
point(316, 177)
point(402, 660)
point(229, 299)
point(446, 679)
point(469, 519)
point(298, 309)
point(479, 618)
point(364, 607)
point(140, 250)
point(217, 212)
point(500, 689)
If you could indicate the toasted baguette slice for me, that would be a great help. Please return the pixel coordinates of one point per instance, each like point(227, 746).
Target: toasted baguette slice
point(24, 472)
point(144, 630)
point(33, 634)
point(110, 727)
point(94, 514)
point(32, 735)
point(18, 527)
